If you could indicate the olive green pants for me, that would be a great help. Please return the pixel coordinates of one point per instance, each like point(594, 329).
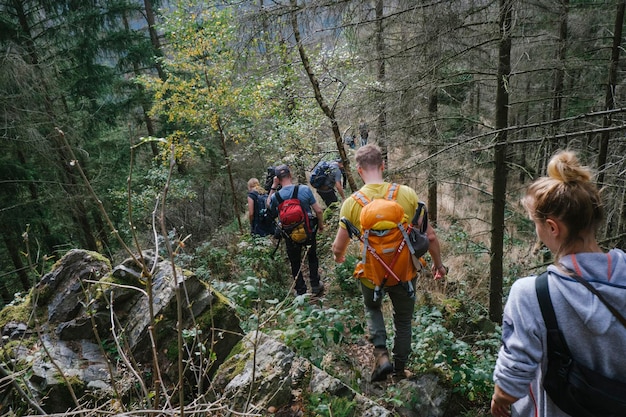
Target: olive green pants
point(403, 308)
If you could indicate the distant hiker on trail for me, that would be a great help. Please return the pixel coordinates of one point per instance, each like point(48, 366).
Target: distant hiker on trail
point(364, 132)
point(348, 139)
point(392, 272)
point(294, 205)
point(325, 177)
point(261, 222)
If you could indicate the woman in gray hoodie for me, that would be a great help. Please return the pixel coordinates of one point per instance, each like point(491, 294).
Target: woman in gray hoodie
point(566, 209)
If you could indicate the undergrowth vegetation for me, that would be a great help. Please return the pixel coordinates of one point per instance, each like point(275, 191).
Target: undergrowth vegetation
point(452, 338)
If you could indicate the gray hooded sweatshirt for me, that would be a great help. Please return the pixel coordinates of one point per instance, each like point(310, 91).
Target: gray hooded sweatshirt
point(594, 336)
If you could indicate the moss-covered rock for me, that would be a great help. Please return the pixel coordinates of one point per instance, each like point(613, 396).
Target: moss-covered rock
point(94, 323)
point(264, 372)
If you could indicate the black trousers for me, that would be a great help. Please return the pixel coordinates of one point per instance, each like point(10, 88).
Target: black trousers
point(329, 196)
point(295, 252)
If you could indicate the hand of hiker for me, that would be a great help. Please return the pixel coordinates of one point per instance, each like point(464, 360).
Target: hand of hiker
point(439, 272)
point(499, 409)
point(501, 402)
point(339, 258)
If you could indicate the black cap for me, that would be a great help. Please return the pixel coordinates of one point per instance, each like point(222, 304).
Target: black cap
point(282, 171)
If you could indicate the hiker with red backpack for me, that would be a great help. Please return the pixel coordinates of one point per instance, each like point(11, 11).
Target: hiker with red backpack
point(378, 214)
point(294, 205)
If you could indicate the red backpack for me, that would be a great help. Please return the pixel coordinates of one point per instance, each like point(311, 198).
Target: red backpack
point(293, 219)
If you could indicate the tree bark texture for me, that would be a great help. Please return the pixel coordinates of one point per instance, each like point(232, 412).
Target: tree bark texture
point(328, 111)
point(500, 164)
point(609, 102)
point(432, 164)
point(380, 56)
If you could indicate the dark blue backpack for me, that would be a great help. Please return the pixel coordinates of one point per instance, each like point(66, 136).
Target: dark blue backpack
point(322, 175)
point(577, 390)
point(263, 223)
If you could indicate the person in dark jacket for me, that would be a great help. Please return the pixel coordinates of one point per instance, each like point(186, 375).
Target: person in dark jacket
point(261, 224)
point(335, 181)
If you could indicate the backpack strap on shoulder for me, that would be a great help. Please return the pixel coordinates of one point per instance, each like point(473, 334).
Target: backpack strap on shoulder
point(360, 198)
point(545, 302)
point(556, 341)
point(392, 191)
point(294, 194)
point(420, 219)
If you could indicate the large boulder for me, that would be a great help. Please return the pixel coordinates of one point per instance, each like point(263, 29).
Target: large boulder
point(89, 331)
point(264, 377)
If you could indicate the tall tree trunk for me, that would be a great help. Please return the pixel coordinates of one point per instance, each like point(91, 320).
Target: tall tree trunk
point(16, 258)
point(432, 149)
point(145, 105)
point(380, 57)
point(559, 71)
point(524, 134)
point(328, 110)
point(609, 101)
point(500, 164)
point(154, 37)
point(75, 194)
point(230, 175)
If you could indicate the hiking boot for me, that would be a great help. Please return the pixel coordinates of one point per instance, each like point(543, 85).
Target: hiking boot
point(382, 365)
point(399, 374)
point(318, 289)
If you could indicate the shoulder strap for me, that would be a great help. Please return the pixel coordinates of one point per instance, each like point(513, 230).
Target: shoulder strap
point(294, 194)
point(391, 194)
point(556, 341)
point(360, 198)
point(545, 302)
point(612, 309)
point(420, 219)
point(392, 191)
point(254, 195)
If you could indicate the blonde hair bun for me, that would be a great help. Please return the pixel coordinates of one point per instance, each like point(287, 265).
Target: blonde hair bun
point(565, 167)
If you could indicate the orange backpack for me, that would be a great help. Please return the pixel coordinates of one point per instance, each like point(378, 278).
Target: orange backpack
point(384, 228)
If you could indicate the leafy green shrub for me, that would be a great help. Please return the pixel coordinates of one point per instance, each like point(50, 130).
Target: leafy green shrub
point(401, 397)
point(311, 330)
point(466, 367)
point(249, 256)
point(324, 405)
point(213, 259)
point(343, 274)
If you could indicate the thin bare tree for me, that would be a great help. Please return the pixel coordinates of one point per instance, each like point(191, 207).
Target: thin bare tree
point(500, 163)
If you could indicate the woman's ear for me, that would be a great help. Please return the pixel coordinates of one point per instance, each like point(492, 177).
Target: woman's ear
point(554, 227)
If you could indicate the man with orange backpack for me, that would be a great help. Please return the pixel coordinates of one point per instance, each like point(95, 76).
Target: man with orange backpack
point(294, 205)
point(379, 214)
